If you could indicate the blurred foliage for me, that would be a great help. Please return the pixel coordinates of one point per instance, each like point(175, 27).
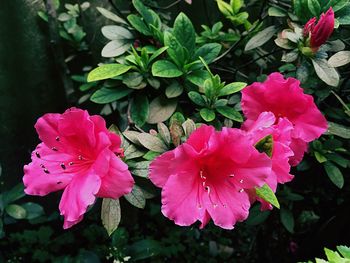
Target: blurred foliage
point(156, 72)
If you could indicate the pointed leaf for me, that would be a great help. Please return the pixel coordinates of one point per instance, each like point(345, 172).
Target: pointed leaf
point(107, 71)
point(110, 214)
point(266, 193)
point(136, 197)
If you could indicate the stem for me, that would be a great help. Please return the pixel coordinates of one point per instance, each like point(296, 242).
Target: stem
point(57, 51)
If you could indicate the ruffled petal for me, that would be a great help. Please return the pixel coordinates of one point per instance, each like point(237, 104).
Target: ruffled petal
point(203, 139)
point(78, 195)
point(299, 147)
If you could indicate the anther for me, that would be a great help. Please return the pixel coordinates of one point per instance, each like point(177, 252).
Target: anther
point(63, 166)
point(241, 181)
point(57, 138)
point(80, 157)
point(42, 166)
point(241, 191)
point(231, 175)
point(54, 149)
point(70, 163)
point(37, 154)
point(59, 182)
point(46, 171)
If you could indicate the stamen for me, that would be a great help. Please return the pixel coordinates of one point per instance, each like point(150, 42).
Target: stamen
point(59, 182)
point(46, 171)
point(80, 157)
point(231, 175)
point(241, 181)
point(63, 166)
point(241, 190)
point(202, 176)
point(42, 166)
point(37, 155)
point(57, 138)
point(70, 163)
point(54, 149)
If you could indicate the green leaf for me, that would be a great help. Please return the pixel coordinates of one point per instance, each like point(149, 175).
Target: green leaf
point(314, 7)
point(339, 130)
point(107, 71)
point(333, 256)
point(152, 143)
point(208, 52)
point(106, 95)
point(140, 168)
point(33, 210)
point(133, 152)
point(165, 69)
point(198, 77)
point(232, 88)
point(161, 109)
point(132, 79)
point(175, 49)
point(277, 12)
point(344, 251)
point(224, 8)
point(115, 48)
point(230, 113)
point(236, 5)
point(174, 90)
point(143, 11)
point(189, 126)
point(139, 25)
point(265, 145)
point(184, 32)
point(207, 114)
point(266, 193)
point(325, 72)
point(14, 194)
point(334, 174)
point(260, 38)
point(108, 14)
point(136, 197)
point(110, 214)
point(139, 110)
point(113, 32)
point(144, 249)
point(256, 217)
point(287, 219)
point(150, 155)
point(339, 59)
point(16, 211)
point(196, 98)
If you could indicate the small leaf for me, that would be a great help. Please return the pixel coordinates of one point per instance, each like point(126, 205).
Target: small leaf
point(344, 251)
point(260, 38)
point(339, 59)
point(266, 193)
point(314, 7)
point(334, 174)
point(265, 145)
point(325, 72)
point(176, 132)
point(174, 90)
point(287, 219)
point(165, 69)
point(150, 155)
point(108, 14)
point(139, 25)
point(16, 211)
point(132, 152)
point(230, 113)
point(33, 210)
point(277, 12)
point(115, 48)
point(110, 214)
point(184, 32)
point(208, 52)
point(198, 77)
point(151, 142)
point(196, 98)
point(139, 110)
point(189, 126)
point(136, 197)
point(107, 71)
point(207, 114)
point(140, 168)
point(132, 136)
point(232, 88)
point(116, 33)
point(161, 109)
point(175, 49)
point(164, 132)
point(106, 95)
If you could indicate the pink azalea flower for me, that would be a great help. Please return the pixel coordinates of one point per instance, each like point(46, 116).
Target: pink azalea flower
point(209, 176)
point(319, 33)
point(285, 98)
point(80, 156)
point(281, 152)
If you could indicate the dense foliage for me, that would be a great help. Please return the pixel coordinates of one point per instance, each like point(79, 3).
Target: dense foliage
point(160, 74)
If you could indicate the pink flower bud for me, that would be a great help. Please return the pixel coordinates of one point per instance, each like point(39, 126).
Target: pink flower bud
point(320, 32)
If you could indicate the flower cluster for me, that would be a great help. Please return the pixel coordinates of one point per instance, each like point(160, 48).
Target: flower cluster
point(214, 174)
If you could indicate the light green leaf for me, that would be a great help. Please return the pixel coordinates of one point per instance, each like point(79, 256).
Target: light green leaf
point(136, 197)
point(232, 88)
point(339, 130)
point(108, 14)
point(334, 174)
point(116, 32)
point(325, 72)
point(139, 24)
point(265, 145)
point(151, 142)
point(189, 126)
point(110, 214)
point(260, 38)
point(107, 71)
point(207, 114)
point(266, 193)
point(339, 59)
point(277, 12)
point(344, 251)
point(196, 98)
point(161, 109)
point(164, 132)
point(174, 90)
point(115, 48)
point(165, 69)
point(16, 211)
point(106, 95)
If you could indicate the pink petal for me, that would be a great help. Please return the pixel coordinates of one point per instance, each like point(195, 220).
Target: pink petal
point(78, 195)
point(299, 147)
point(203, 139)
point(118, 181)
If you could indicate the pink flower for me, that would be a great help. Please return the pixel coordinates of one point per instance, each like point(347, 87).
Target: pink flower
point(285, 98)
point(80, 156)
point(281, 152)
point(209, 176)
point(320, 32)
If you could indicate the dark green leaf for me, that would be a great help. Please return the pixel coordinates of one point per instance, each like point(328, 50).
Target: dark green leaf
point(230, 113)
point(175, 49)
point(287, 219)
point(196, 98)
point(106, 95)
point(174, 90)
point(139, 25)
point(139, 110)
point(334, 174)
point(184, 32)
point(198, 77)
point(208, 52)
point(165, 69)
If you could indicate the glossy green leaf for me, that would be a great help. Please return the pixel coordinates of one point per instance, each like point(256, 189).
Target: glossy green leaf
point(184, 32)
point(106, 95)
point(232, 88)
point(230, 113)
point(266, 193)
point(207, 114)
point(334, 174)
point(107, 71)
point(165, 69)
point(260, 38)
